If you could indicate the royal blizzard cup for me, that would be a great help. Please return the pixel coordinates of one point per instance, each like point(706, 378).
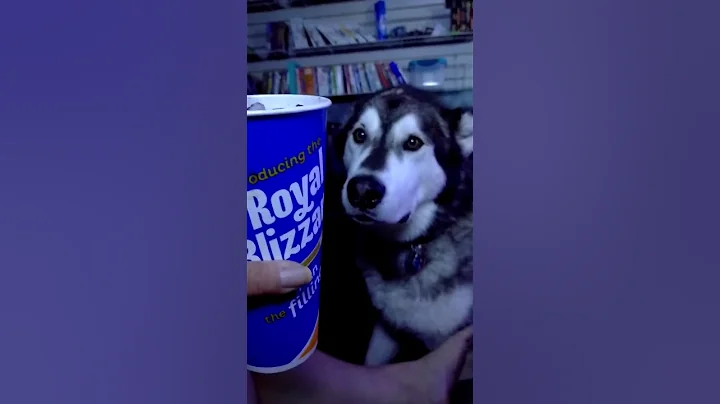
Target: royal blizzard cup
point(285, 194)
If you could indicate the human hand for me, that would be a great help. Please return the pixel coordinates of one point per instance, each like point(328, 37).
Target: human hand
point(324, 379)
point(275, 277)
point(431, 378)
point(272, 277)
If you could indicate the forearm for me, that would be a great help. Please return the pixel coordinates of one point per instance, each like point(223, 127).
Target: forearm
point(324, 379)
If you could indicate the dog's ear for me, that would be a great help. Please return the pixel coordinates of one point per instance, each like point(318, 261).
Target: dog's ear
point(461, 127)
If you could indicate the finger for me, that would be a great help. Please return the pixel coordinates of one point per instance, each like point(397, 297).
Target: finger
point(449, 358)
point(273, 277)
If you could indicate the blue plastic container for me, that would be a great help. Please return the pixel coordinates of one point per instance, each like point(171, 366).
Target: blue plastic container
point(380, 20)
point(285, 194)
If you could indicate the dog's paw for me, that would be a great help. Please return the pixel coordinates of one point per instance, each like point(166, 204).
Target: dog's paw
point(382, 348)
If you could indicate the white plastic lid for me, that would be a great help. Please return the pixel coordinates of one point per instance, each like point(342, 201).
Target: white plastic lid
point(277, 104)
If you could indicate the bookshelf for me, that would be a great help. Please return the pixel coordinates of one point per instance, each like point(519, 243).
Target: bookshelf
point(391, 43)
point(260, 6)
point(344, 38)
point(346, 80)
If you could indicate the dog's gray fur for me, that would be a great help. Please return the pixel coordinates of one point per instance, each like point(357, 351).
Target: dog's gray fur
point(427, 203)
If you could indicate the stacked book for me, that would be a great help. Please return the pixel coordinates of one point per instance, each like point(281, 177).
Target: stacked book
point(461, 15)
point(272, 83)
point(306, 35)
point(328, 81)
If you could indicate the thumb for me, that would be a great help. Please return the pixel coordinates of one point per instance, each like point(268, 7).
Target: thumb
point(275, 277)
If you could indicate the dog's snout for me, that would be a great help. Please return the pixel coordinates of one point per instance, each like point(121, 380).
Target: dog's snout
point(365, 192)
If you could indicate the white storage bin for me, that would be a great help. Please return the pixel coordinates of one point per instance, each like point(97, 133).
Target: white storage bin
point(427, 73)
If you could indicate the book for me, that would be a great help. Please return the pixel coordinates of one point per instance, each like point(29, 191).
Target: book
point(315, 37)
point(372, 76)
point(323, 80)
point(292, 78)
point(398, 73)
point(297, 34)
point(349, 80)
point(365, 83)
point(339, 80)
point(309, 77)
point(380, 68)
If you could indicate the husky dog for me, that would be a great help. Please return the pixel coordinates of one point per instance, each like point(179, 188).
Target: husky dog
point(408, 162)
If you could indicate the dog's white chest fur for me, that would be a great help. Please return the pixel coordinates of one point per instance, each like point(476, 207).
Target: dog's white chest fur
point(447, 312)
point(431, 305)
point(432, 320)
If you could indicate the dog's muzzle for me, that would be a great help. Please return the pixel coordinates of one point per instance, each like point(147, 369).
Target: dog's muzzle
point(365, 192)
point(365, 219)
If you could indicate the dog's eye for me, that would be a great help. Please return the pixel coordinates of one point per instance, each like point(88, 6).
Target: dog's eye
point(413, 143)
point(359, 136)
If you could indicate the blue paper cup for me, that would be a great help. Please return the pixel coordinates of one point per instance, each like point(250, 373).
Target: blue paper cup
point(285, 195)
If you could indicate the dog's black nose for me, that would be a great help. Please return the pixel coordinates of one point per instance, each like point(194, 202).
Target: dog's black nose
point(365, 192)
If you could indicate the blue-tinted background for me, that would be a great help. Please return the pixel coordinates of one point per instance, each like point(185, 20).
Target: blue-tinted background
point(597, 202)
point(121, 202)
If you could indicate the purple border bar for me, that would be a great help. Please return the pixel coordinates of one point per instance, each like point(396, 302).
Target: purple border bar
point(122, 158)
point(597, 202)
point(121, 202)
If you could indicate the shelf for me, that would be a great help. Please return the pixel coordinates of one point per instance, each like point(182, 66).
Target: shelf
point(339, 99)
point(355, 97)
point(263, 6)
point(449, 51)
point(395, 43)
